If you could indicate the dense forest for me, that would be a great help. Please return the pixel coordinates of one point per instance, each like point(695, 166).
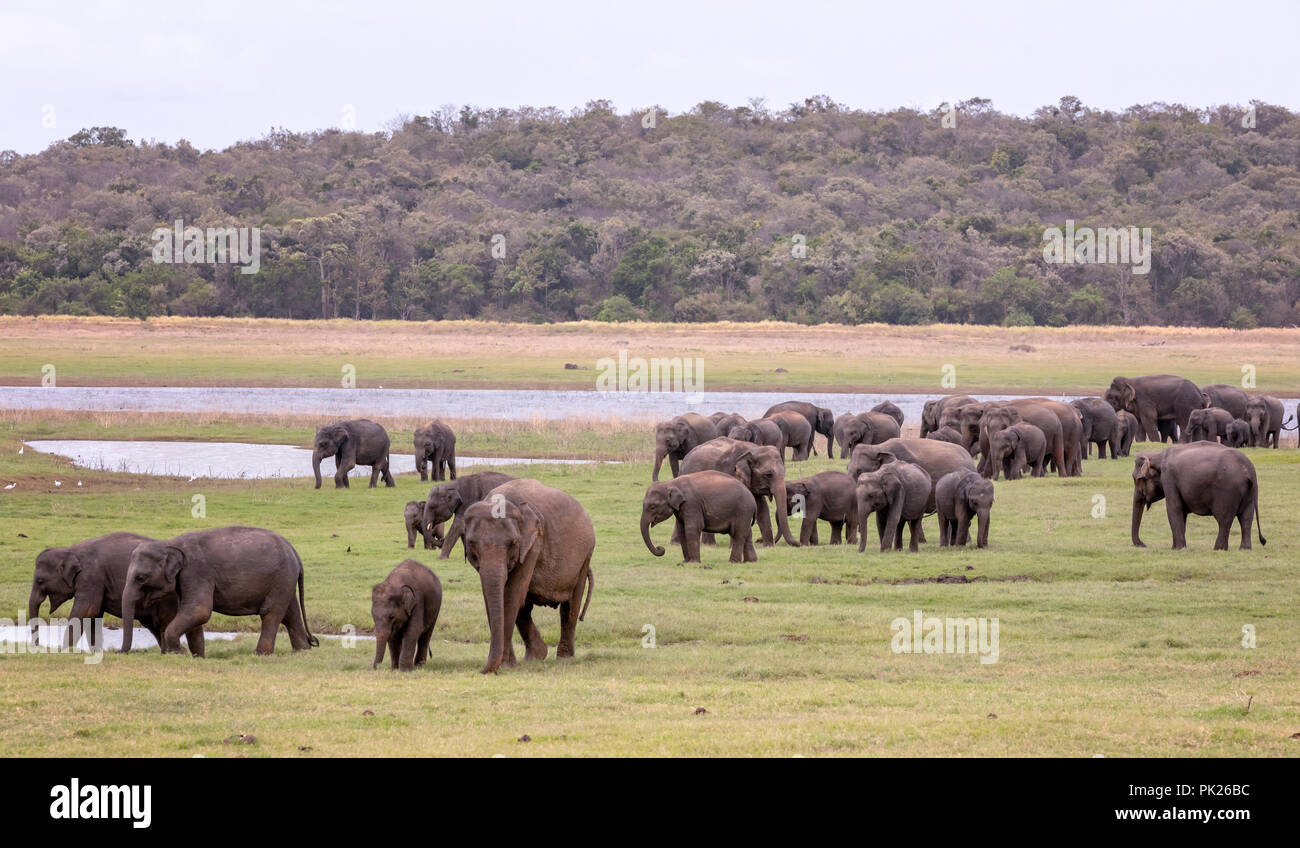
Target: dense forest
point(815, 213)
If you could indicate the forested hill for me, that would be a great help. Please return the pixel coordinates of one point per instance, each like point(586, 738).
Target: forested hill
point(815, 213)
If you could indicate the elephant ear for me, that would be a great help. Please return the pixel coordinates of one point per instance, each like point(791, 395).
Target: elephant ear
point(70, 567)
point(675, 497)
point(173, 564)
point(408, 600)
point(884, 457)
point(530, 531)
point(1130, 392)
point(893, 486)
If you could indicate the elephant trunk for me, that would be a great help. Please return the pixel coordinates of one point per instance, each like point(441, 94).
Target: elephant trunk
point(645, 535)
point(129, 598)
point(381, 642)
point(1138, 506)
point(34, 611)
point(660, 452)
point(782, 520)
point(983, 538)
point(315, 466)
point(493, 578)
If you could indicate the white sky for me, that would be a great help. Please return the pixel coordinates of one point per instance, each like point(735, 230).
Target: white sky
point(215, 73)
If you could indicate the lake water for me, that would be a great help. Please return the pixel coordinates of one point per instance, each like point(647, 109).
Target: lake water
point(142, 639)
point(235, 460)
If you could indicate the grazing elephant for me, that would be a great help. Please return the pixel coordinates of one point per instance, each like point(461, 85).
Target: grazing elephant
point(1237, 434)
point(1226, 397)
point(870, 428)
point(450, 500)
point(1155, 398)
point(1207, 425)
point(228, 570)
point(1264, 415)
point(932, 412)
point(724, 421)
point(352, 443)
point(959, 497)
point(945, 434)
point(822, 420)
point(798, 433)
point(1198, 479)
point(897, 493)
point(762, 471)
point(679, 436)
point(1013, 448)
point(702, 502)
point(435, 445)
point(828, 496)
point(1128, 427)
point(891, 409)
point(413, 516)
point(405, 608)
point(531, 545)
point(93, 574)
point(937, 458)
point(1100, 427)
point(763, 431)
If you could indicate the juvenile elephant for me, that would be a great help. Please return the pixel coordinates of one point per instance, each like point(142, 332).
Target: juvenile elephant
point(1100, 427)
point(759, 468)
point(1198, 479)
point(1226, 397)
point(1237, 434)
point(724, 421)
point(1155, 398)
point(763, 431)
point(897, 493)
point(959, 497)
point(531, 545)
point(1264, 415)
point(435, 450)
point(701, 502)
point(413, 517)
point(679, 436)
point(945, 434)
point(797, 431)
point(822, 420)
point(891, 409)
point(829, 496)
point(933, 410)
point(935, 457)
point(352, 443)
point(405, 609)
point(450, 500)
point(1047, 419)
point(1207, 425)
point(870, 428)
point(1128, 427)
point(1013, 448)
point(93, 574)
point(228, 570)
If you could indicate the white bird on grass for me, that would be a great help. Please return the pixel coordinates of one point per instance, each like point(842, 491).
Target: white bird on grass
point(78, 482)
point(58, 483)
point(21, 448)
point(10, 486)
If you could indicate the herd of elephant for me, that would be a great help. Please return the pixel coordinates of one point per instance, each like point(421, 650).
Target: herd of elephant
point(532, 544)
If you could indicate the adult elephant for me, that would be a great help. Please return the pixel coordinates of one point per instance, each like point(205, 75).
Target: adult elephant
point(797, 431)
point(1100, 426)
point(1208, 425)
point(450, 500)
point(1071, 429)
point(932, 412)
point(531, 546)
point(228, 570)
point(869, 428)
point(1227, 397)
point(968, 420)
point(1198, 479)
point(1153, 399)
point(891, 409)
point(828, 496)
point(761, 470)
point(93, 574)
point(404, 608)
point(998, 416)
point(822, 420)
point(679, 436)
point(435, 445)
point(1264, 415)
point(936, 457)
point(701, 502)
point(352, 443)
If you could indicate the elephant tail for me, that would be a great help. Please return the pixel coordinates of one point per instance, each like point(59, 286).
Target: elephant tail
point(1291, 418)
point(1259, 524)
point(302, 605)
point(591, 584)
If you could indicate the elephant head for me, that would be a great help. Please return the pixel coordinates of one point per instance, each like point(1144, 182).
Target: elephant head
point(877, 490)
point(391, 607)
point(1258, 418)
point(1006, 450)
point(724, 421)
point(329, 441)
point(868, 458)
point(442, 503)
point(929, 417)
point(425, 442)
point(1199, 425)
point(970, 418)
point(671, 440)
point(742, 433)
point(825, 422)
point(55, 578)
point(502, 541)
point(975, 494)
point(762, 471)
point(796, 498)
point(151, 576)
point(1122, 395)
point(849, 431)
point(661, 502)
point(1147, 487)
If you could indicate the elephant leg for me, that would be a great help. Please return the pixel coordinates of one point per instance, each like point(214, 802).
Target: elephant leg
point(751, 555)
point(410, 536)
point(914, 530)
point(451, 465)
point(1225, 529)
point(453, 535)
point(410, 643)
point(187, 619)
point(569, 612)
point(271, 618)
point(1177, 519)
point(806, 529)
point(198, 647)
point(764, 523)
point(395, 650)
point(293, 622)
point(963, 531)
point(837, 528)
point(422, 649)
point(341, 474)
point(920, 531)
point(881, 521)
point(421, 465)
point(737, 543)
point(690, 541)
point(534, 647)
point(812, 535)
point(375, 471)
point(1246, 517)
point(943, 532)
point(708, 539)
point(850, 531)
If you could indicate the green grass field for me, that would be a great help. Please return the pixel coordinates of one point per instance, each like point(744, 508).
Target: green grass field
point(1104, 649)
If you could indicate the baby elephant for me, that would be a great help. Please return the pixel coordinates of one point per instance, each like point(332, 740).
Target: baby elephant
point(701, 502)
point(959, 497)
point(1014, 448)
point(828, 496)
point(413, 515)
point(897, 492)
point(1237, 434)
point(405, 609)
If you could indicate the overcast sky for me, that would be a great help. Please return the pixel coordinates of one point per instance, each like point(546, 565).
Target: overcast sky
point(215, 73)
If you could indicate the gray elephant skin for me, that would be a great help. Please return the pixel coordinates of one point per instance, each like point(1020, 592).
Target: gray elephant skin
point(435, 451)
point(1014, 448)
point(935, 457)
point(701, 502)
point(821, 419)
point(352, 443)
point(762, 471)
point(1202, 478)
point(404, 608)
point(959, 497)
point(870, 428)
point(897, 493)
point(413, 518)
point(1207, 425)
point(450, 500)
point(677, 437)
point(1154, 399)
point(1101, 427)
point(829, 496)
point(932, 412)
